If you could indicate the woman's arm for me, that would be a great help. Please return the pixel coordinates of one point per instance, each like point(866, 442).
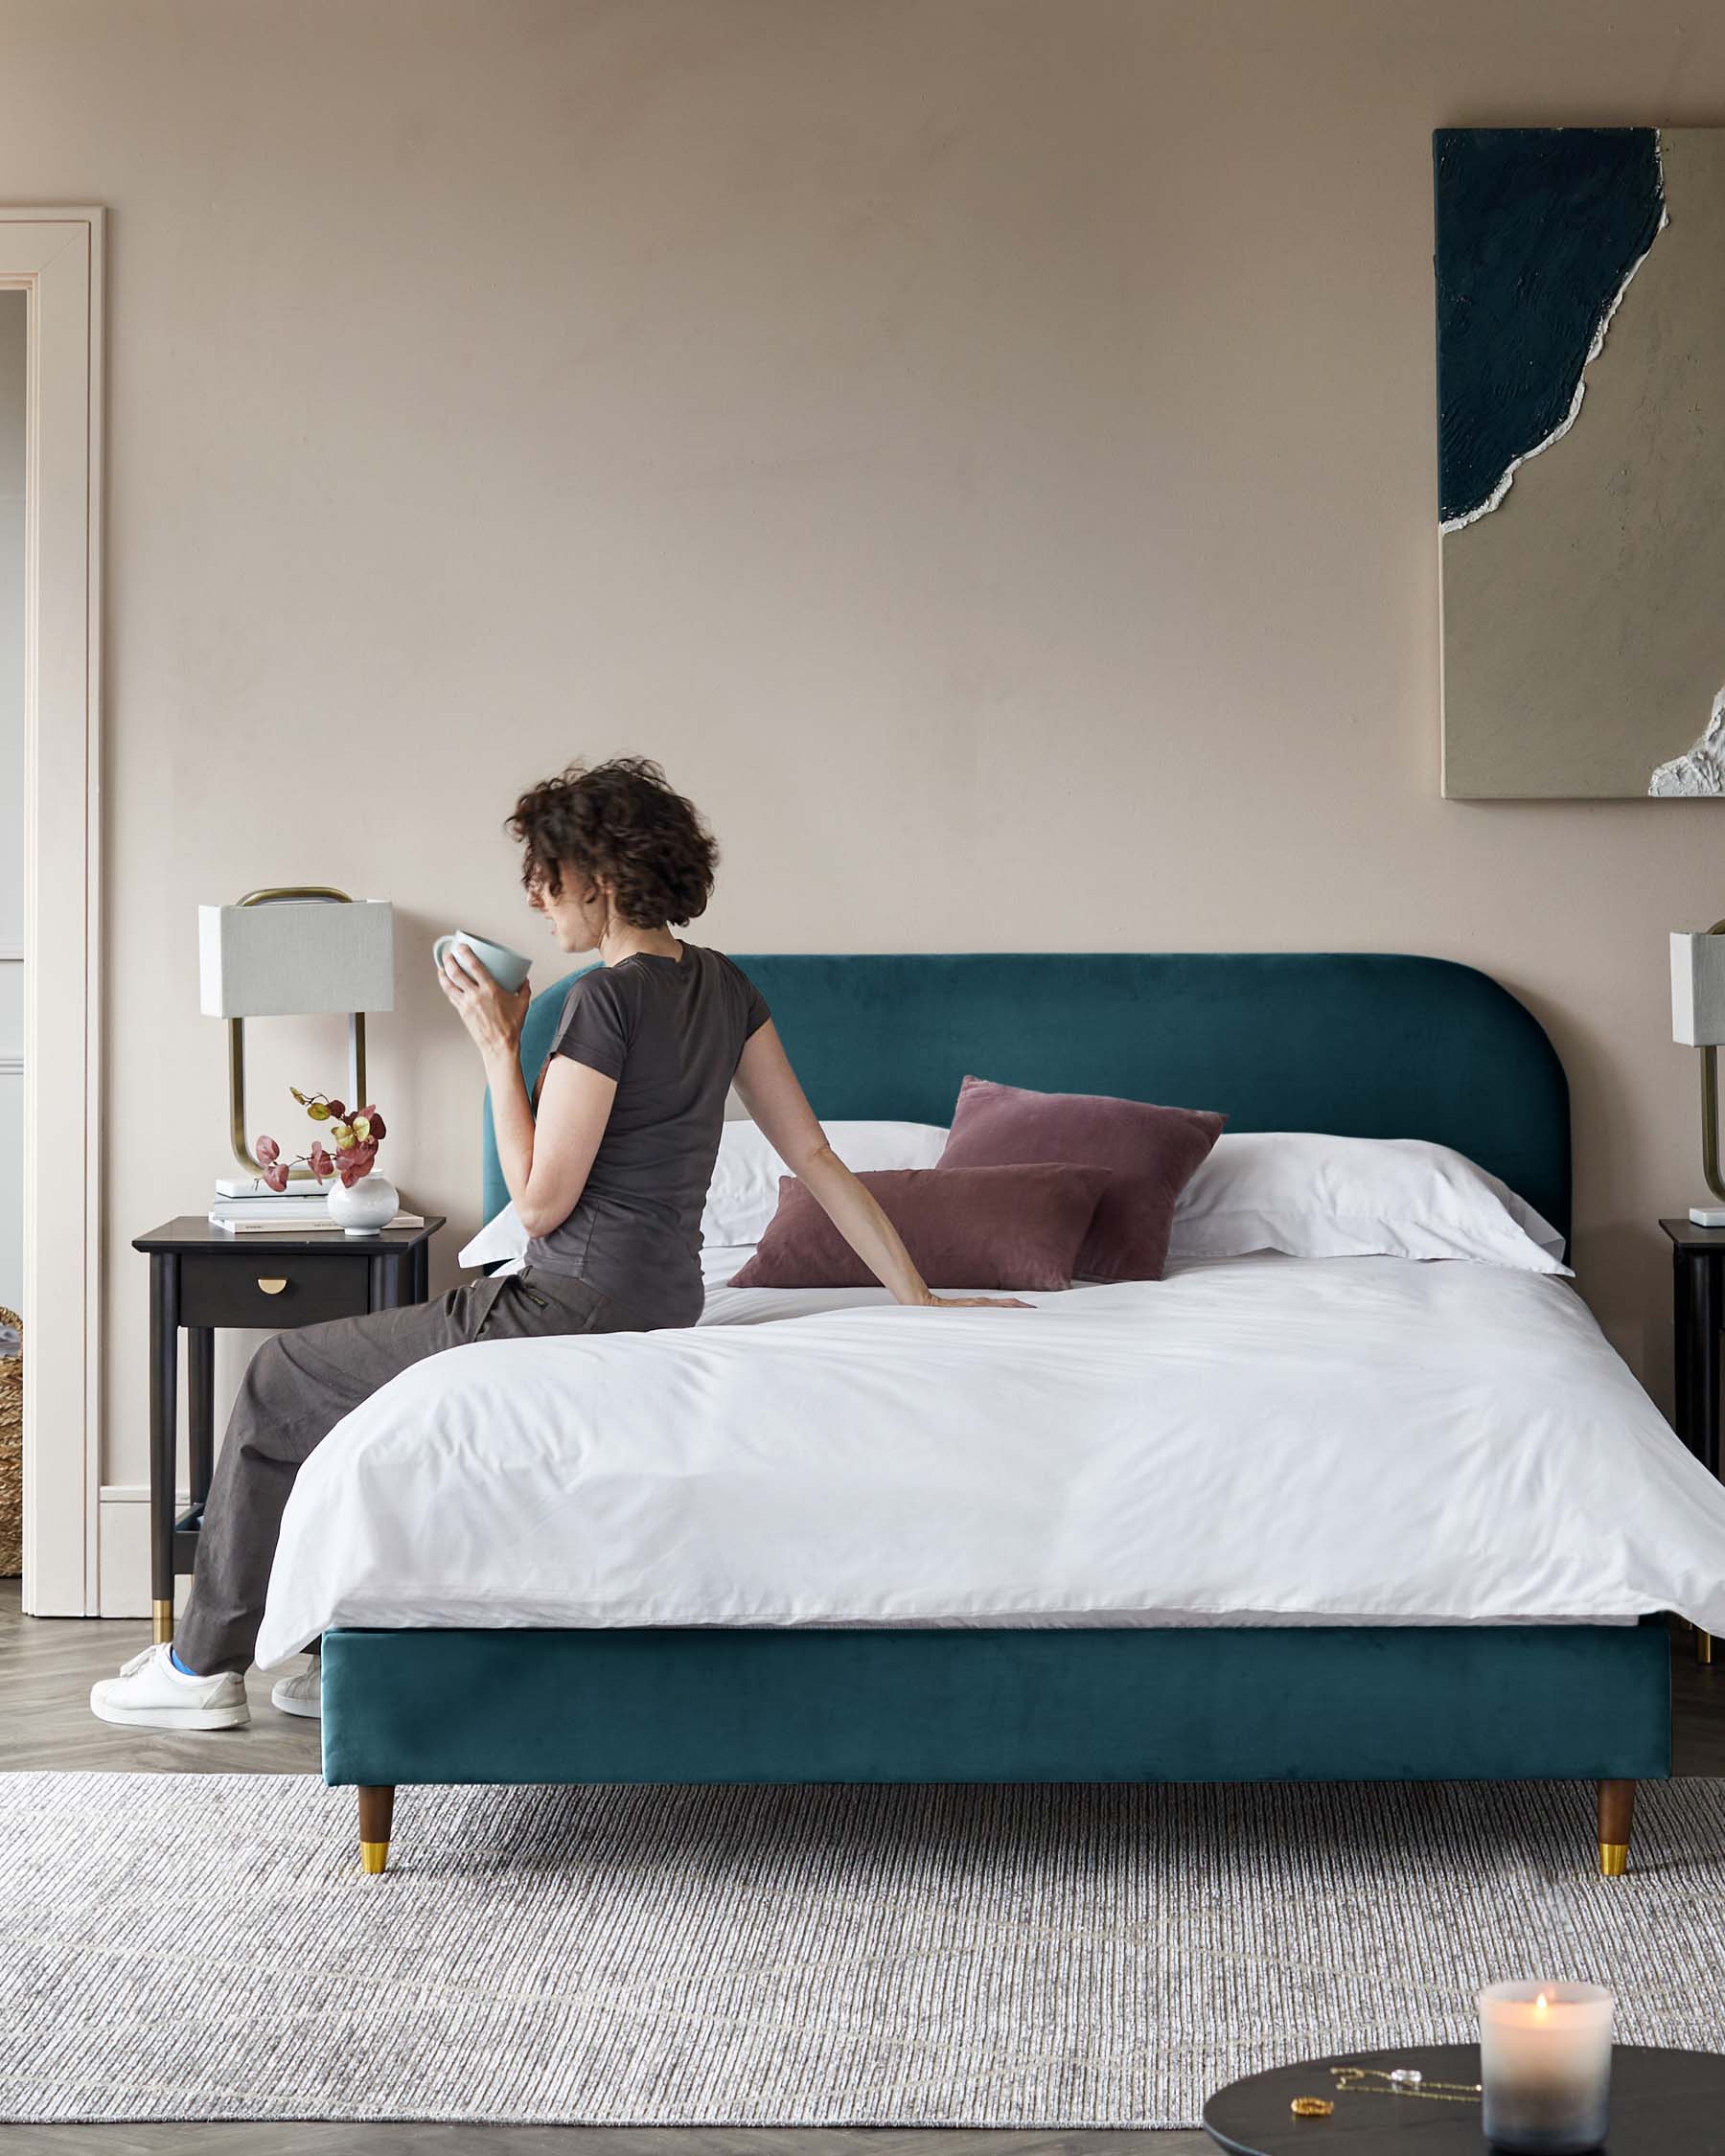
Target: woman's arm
point(546, 1164)
point(768, 1090)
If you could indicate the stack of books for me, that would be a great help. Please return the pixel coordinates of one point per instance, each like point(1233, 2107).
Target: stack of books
point(247, 1206)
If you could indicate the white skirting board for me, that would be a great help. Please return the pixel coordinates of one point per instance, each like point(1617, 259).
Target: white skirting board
point(125, 1549)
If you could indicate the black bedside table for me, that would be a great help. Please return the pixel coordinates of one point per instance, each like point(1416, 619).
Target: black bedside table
point(200, 1277)
point(1662, 2102)
point(1697, 1312)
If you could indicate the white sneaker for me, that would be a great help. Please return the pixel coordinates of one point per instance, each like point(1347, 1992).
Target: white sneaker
point(302, 1694)
point(150, 1694)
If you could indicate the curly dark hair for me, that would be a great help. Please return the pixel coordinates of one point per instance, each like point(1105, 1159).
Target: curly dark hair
point(621, 821)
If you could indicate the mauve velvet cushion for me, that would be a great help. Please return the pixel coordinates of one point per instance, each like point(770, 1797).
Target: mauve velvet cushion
point(1154, 1153)
point(1007, 1226)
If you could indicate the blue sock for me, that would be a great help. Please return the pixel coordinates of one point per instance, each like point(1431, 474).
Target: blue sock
point(178, 1664)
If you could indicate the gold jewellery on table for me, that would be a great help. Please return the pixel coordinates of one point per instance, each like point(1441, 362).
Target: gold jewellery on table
point(1380, 2080)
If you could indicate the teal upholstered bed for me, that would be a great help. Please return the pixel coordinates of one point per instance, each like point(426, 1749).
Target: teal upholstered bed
point(1364, 1045)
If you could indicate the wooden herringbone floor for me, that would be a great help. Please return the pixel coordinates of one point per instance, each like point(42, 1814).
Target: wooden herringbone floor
point(47, 1665)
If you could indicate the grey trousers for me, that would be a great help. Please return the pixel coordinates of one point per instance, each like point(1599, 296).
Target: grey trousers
point(297, 1386)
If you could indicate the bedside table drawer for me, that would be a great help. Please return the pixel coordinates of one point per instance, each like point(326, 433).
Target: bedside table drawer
point(272, 1291)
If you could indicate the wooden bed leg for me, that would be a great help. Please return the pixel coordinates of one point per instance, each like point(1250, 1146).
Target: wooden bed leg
point(377, 1807)
point(1617, 1816)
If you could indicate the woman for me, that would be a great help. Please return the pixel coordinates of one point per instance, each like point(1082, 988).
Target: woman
point(609, 1179)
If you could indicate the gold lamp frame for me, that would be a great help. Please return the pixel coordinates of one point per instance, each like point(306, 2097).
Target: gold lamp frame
point(242, 1152)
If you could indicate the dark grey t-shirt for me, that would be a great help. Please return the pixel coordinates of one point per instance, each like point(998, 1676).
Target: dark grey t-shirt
point(669, 1031)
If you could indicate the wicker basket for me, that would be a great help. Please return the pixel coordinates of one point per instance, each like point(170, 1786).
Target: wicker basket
point(12, 1455)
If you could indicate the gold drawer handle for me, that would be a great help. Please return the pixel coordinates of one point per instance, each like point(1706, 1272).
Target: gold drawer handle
point(272, 1286)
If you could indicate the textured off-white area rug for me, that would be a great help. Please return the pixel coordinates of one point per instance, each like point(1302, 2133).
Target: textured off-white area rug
point(176, 1947)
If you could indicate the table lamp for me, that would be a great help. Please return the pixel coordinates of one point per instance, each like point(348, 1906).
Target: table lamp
point(281, 952)
point(1698, 1021)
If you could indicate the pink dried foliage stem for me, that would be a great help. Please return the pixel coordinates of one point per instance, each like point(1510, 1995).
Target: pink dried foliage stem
point(351, 1162)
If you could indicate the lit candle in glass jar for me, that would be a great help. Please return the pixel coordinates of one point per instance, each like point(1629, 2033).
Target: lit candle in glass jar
point(1545, 2066)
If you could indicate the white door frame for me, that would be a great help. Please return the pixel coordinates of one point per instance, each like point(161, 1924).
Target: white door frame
point(55, 256)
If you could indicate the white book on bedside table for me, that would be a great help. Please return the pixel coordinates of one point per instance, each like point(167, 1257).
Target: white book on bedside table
point(295, 1223)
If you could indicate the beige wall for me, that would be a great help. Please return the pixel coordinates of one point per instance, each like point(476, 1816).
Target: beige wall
point(984, 446)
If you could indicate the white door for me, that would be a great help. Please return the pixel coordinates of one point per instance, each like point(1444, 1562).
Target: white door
point(52, 257)
point(15, 331)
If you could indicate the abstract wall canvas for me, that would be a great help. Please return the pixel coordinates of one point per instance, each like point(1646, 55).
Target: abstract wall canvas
point(1582, 460)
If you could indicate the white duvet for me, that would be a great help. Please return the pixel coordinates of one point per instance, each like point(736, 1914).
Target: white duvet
point(1253, 1440)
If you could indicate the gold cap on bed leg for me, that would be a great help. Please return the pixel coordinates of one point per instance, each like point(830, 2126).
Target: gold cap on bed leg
point(163, 1615)
point(1614, 1859)
point(374, 1855)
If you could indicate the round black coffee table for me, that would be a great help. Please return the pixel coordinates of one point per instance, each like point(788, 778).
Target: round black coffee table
point(1662, 2103)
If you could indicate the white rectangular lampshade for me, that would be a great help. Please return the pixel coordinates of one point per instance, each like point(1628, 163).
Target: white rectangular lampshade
point(288, 955)
point(1698, 990)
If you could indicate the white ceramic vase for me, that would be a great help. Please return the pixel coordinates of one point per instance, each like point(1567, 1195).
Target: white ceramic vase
point(368, 1205)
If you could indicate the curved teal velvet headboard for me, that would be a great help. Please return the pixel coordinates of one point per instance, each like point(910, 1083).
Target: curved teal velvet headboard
point(1359, 1044)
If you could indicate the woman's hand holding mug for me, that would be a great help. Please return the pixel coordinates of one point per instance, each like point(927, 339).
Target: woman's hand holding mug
point(492, 1012)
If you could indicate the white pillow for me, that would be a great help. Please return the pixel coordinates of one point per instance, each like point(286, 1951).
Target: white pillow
point(1315, 1196)
point(743, 1195)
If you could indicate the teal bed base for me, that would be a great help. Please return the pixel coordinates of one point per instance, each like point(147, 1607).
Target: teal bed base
point(1344, 1703)
point(1362, 1045)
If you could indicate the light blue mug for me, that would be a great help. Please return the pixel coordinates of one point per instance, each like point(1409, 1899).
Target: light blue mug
point(509, 969)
